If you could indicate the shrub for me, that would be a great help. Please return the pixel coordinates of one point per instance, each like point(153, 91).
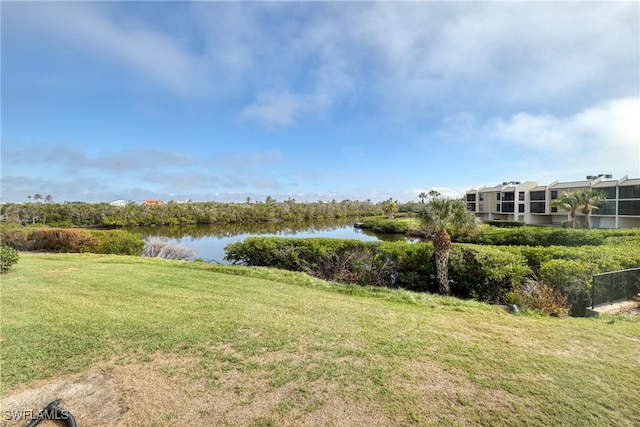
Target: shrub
point(482, 273)
point(119, 242)
point(538, 236)
point(74, 240)
point(161, 248)
point(537, 295)
point(572, 278)
point(485, 273)
point(505, 224)
point(14, 238)
point(62, 240)
point(8, 257)
point(384, 226)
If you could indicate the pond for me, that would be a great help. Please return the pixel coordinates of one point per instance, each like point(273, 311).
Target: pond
point(209, 240)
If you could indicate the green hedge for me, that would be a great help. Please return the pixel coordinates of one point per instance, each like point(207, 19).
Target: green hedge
point(501, 223)
point(485, 273)
point(73, 240)
point(547, 236)
point(476, 272)
point(384, 226)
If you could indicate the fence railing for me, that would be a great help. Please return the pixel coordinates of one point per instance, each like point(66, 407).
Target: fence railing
point(615, 286)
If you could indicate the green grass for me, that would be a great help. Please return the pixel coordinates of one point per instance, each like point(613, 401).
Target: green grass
point(412, 359)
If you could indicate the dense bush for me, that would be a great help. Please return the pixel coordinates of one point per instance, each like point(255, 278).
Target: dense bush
point(118, 242)
point(476, 272)
point(485, 273)
point(62, 240)
point(505, 224)
point(8, 257)
point(573, 279)
point(73, 240)
point(379, 225)
point(538, 236)
point(537, 295)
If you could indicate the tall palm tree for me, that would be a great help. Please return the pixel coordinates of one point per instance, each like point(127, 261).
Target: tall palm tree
point(422, 196)
point(570, 203)
point(438, 216)
point(589, 200)
point(390, 207)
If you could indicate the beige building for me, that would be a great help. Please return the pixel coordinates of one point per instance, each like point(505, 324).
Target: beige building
point(533, 204)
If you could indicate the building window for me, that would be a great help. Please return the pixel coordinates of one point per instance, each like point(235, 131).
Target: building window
point(609, 192)
point(630, 207)
point(471, 206)
point(629, 192)
point(554, 194)
point(537, 207)
point(471, 197)
point(537, 195)
point(508, 206)
point(554, 209)
point(606, 208)
point(521, 207)
point(498, 207)
point(481, 197)
point(481, 207)
point(508, 197)
point(521, 196)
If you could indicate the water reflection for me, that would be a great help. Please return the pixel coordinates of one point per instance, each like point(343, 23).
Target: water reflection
point(209, 240)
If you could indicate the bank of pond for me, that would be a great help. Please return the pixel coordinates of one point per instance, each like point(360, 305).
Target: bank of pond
point(497, 265)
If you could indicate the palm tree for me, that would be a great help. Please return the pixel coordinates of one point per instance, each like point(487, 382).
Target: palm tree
point(390, 207)
point(438, 216)
point(37, 196)
point(570, 203)
point(589, 200)
point(422, 196)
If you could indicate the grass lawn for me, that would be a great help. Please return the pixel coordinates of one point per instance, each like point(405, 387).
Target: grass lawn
point(183, 343)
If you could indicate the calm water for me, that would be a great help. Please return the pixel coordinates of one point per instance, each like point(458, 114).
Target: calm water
point(209, 240)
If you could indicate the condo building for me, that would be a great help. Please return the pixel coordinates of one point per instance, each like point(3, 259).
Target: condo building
point(532, 203)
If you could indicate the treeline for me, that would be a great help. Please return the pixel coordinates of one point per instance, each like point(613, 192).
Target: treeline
point(132, 214)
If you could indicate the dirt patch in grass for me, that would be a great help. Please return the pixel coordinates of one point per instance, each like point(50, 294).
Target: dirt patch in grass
point(171, 390)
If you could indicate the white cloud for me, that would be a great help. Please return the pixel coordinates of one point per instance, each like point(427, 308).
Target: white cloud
point(605, 137)
point(100, 31)
point(451, 56)
point(282, 109)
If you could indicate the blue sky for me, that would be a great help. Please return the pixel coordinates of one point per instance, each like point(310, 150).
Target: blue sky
point(313, 101)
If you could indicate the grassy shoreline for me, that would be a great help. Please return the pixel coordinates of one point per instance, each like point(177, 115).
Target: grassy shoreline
point(405, 358)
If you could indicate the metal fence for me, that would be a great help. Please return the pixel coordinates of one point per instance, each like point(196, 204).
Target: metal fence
point(615, 286)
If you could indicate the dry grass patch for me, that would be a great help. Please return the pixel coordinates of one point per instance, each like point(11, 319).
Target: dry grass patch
point(172, 390)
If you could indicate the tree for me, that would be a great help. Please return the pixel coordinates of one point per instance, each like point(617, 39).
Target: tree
point(48, 199)
point(439, 216)
point(433, 193)
point(422, 196)
point(589, 200)
point(37, 196)
point(570, 203)
point(583, 200)
point(390, 207)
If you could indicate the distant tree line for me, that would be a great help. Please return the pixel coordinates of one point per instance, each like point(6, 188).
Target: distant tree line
point(133, 214)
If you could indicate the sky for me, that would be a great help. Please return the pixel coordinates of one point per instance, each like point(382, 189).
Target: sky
point(313, 100)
